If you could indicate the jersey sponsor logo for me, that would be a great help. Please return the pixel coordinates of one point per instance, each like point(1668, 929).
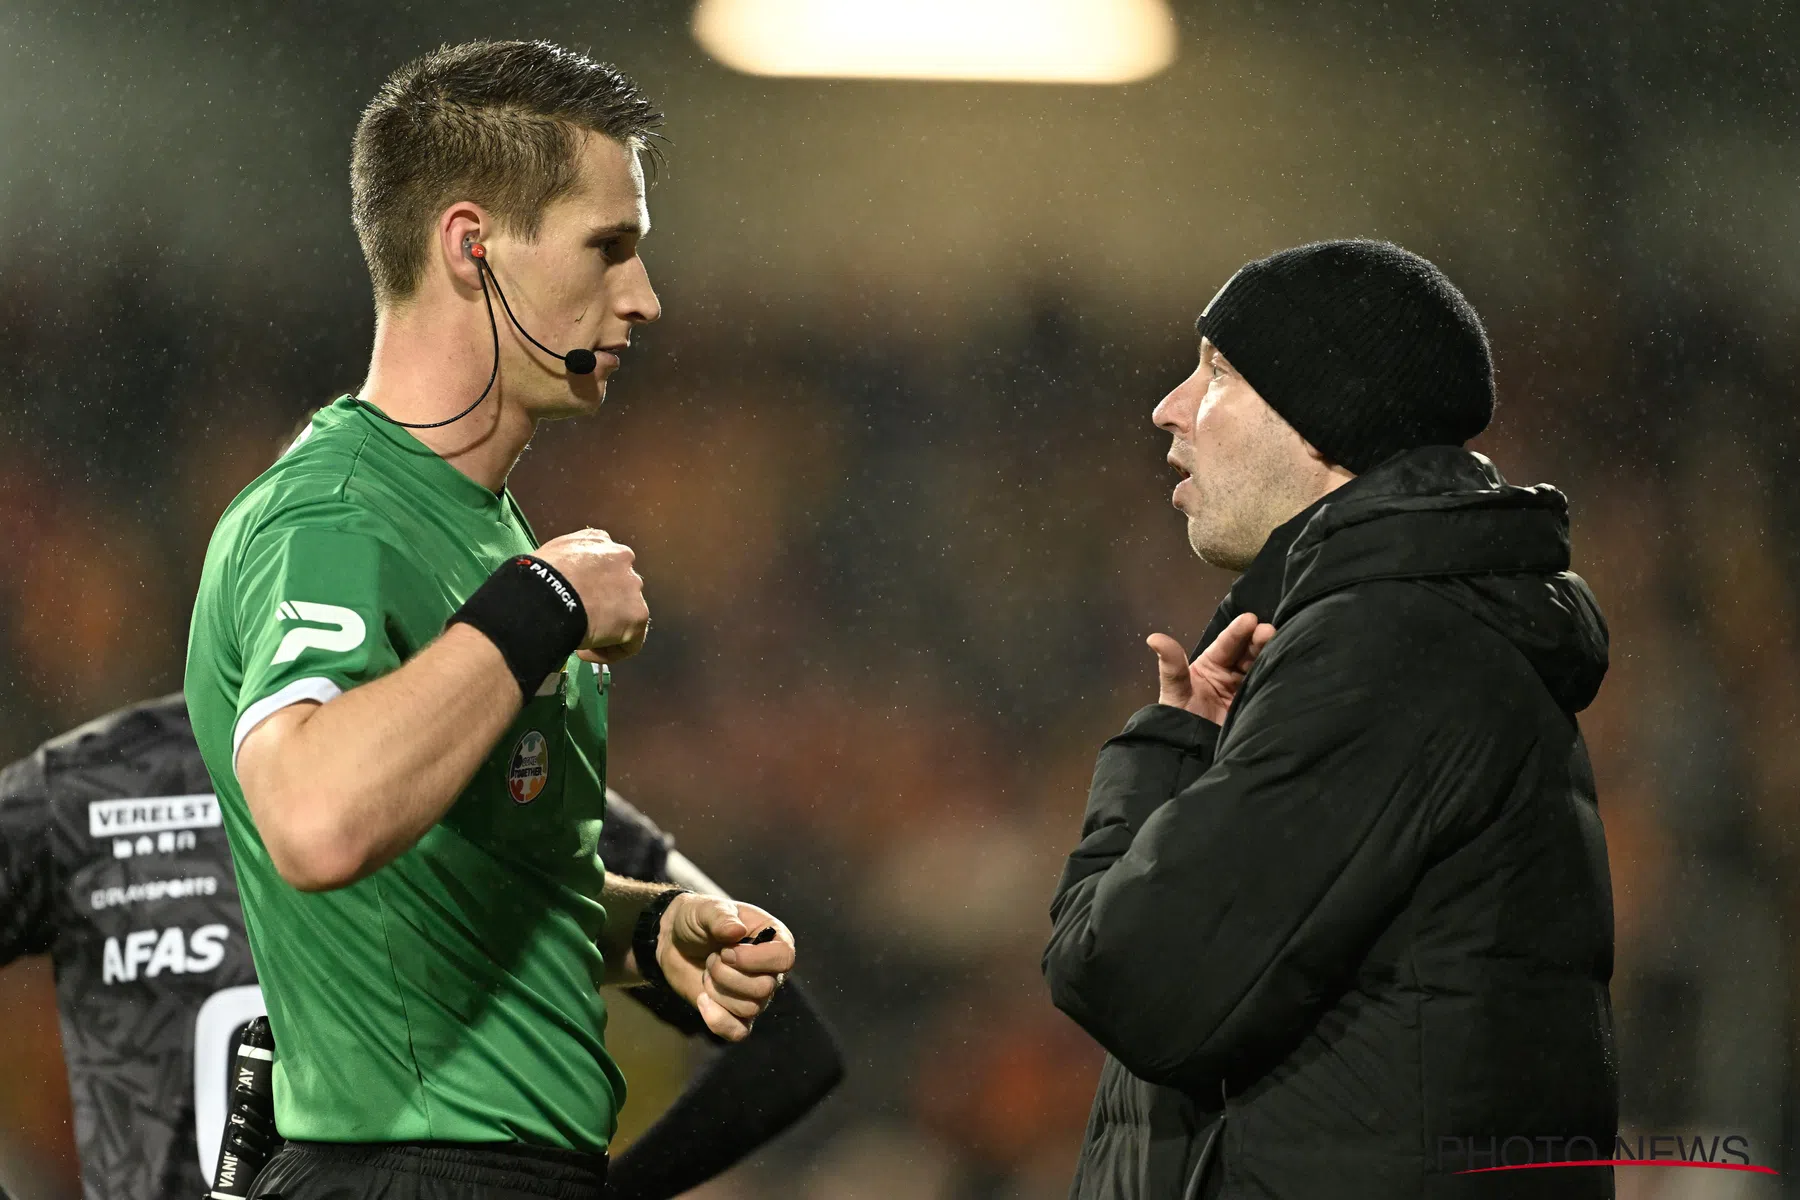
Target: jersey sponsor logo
point(152, 814)
point(345, 633)
point(166, 842)
point(529, 769)
point(147, 953)
point(156, 889)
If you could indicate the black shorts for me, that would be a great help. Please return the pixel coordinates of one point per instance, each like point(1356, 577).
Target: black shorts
point(430, 1171)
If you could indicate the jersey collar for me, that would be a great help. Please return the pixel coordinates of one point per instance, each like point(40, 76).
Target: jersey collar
point(431, 466)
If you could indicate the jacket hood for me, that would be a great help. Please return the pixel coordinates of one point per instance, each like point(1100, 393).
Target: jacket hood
point(1444, 517)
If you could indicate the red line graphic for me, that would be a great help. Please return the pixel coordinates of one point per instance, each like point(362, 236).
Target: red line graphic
point(1629, 1162)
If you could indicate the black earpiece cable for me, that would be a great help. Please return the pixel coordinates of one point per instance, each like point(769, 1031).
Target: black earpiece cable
point(578, 362)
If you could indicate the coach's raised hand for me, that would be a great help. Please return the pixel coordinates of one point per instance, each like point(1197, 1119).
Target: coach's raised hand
point(600, 570)
point(704, 957)
point(1207, 686)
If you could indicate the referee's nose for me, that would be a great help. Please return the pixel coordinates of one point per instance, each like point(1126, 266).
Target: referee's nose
point(636, 300)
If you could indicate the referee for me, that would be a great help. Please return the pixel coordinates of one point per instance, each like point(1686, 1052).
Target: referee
point(401, 697)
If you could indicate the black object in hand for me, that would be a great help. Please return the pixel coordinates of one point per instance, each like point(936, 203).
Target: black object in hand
point(767, 935)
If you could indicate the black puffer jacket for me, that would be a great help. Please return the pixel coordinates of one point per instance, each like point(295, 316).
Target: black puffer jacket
point(1368, 922)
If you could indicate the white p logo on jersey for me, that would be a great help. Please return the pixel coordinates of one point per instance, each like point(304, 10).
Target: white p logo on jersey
point(346, 632)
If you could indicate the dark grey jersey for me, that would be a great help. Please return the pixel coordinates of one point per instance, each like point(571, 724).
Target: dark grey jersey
point(113, 861)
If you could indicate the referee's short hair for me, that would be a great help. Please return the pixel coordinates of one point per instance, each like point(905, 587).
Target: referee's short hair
point(498, 123)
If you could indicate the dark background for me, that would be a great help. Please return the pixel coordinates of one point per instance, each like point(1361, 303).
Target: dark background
point(888, 466)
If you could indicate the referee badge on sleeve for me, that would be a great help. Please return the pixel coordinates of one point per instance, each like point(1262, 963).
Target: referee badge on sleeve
point(529, 768)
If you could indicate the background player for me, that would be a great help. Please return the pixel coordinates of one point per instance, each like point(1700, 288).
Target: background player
point(113, 861)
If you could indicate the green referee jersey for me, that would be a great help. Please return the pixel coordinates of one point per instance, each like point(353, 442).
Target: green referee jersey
point(453, 995)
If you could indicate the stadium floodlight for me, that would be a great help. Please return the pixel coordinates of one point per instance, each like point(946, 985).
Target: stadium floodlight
point(1021, 41)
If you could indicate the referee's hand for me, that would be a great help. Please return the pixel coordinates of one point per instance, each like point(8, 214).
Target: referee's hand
point(600, 570)
point(703, 958)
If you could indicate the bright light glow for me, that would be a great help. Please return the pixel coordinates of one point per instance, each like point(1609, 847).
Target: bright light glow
point(1036, 41)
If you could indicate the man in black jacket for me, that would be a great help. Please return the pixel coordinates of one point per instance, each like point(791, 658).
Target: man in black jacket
point(1341, 913)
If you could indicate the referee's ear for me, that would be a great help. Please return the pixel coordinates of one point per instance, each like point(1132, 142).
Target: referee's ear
point(461, 227)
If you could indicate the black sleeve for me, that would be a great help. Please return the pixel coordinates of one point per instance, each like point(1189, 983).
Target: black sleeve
point(631, 844)
point(748, 1094)
point(27, 870)
point(1197, 937)
point(1161, 752)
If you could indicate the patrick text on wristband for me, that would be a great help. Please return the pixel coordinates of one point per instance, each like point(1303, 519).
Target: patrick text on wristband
point(531, 613)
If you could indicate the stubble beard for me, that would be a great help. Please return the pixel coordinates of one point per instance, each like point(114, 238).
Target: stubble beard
point(1216, 556)
point(1219, 543)
point(1231, 521)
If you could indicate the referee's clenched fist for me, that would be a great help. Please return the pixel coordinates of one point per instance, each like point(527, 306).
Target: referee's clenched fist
point(611, 591)
point(709, 954)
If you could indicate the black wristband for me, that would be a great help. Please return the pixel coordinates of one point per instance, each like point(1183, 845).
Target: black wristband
point(647, 933)
point(528, 610)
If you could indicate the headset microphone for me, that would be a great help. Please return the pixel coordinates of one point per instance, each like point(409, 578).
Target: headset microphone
point(577, 362)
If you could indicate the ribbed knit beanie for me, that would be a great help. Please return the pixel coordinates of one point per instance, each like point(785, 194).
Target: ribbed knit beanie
point(1365, 349)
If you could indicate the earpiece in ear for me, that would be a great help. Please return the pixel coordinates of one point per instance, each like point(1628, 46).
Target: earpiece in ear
point(473, 248)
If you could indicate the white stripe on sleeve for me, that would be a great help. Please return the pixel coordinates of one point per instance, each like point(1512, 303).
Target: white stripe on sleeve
point(317, 689)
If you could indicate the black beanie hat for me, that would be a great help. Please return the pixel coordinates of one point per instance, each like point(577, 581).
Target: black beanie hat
point(1365, 349)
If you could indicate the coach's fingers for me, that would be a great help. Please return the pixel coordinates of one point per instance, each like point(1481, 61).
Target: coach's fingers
point(1173, 684)
point(1228, 649)
point(719, 1021)
point(1263, 635)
